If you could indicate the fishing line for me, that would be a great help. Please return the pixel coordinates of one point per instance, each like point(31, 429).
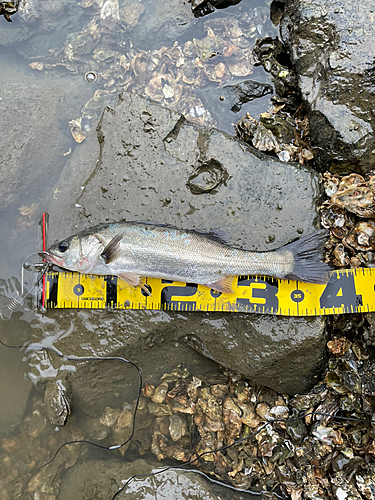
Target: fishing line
point(88, 358)
point(237, 441)
point(19, 301)
point(310, 413)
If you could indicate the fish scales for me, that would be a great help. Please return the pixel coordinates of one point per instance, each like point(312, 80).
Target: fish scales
point(131, 250)
point(187, 256)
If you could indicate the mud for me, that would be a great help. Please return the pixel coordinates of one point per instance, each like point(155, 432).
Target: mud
point(33, 146)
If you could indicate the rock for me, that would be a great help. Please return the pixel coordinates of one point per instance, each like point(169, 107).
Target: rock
point(100, 479)
point(35, 110)
point(204, 7)
point(332, 46)
point(227, 103)
point(138, 167)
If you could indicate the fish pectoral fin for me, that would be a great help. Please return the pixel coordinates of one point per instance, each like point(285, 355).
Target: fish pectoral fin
point(134, 279)
point(130, 278)
point(143, 286)
point(223, 285)
point(111, 251)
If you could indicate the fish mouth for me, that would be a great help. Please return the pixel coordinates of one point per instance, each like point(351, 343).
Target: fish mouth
point(53, 259)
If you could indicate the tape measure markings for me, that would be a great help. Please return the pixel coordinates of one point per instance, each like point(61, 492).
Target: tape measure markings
point(348, 291)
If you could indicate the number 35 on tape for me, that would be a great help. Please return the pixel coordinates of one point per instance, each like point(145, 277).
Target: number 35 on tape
point(347, 291)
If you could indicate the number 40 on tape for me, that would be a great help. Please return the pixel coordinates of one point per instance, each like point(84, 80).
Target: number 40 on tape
point(347, 291)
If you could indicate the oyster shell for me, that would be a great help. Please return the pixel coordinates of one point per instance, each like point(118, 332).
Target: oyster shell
point(177, 427)
point(160, 393)
point(110, 416)
point(359, 200)
point(110, 9)
point(132, 13)
point(58, 400)
point(362, 236)
point(76, 130)
point(264, 140)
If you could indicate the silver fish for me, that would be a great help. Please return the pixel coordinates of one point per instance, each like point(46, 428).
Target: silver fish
point(134, 249)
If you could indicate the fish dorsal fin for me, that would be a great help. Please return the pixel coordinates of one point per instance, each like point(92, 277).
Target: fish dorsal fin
point(215, 235)
point(111, 251)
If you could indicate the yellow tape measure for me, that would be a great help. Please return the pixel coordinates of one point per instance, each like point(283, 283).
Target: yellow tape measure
point(348, 291)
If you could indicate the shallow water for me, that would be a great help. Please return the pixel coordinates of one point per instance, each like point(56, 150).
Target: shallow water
point(37, 156)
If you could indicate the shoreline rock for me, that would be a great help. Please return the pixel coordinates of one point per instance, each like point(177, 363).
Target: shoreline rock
point(331, 45)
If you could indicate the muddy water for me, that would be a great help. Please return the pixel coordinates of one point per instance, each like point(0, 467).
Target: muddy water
point(35, 110)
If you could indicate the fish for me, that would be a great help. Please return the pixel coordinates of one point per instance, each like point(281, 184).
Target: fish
point(131, 250)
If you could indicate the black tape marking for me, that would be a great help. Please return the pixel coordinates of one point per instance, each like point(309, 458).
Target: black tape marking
point(268, 293)
point(53, 282)
point(111, 291)
point(168, 292)
point(344, 284)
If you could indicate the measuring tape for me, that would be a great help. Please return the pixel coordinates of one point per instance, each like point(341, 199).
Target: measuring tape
point(347, 291)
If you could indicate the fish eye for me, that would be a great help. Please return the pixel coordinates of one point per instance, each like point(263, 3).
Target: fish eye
point(63, 246)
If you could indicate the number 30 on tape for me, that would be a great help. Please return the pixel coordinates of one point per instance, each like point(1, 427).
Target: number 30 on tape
point(348, 291)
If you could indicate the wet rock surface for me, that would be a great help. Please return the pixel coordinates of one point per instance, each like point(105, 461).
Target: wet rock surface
point(204, 7)
point(147, 163)
point(332, 47)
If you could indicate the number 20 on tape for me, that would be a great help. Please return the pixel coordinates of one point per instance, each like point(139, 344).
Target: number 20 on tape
point(347, 291)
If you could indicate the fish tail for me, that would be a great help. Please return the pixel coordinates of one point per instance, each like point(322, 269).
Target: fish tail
point(307, 252)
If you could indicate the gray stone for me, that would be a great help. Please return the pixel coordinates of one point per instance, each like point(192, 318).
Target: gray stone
point(137, 167)
point(332, 46)
point(100, 479)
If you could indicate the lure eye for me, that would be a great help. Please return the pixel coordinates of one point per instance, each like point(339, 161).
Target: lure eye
point(63, 247)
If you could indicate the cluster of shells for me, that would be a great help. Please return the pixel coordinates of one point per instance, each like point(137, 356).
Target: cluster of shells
point(246, 435)
point(349, 214)
point(33, 444)
point(168, 75)
point(278, 133)
point(311, 457)
point(284, 130)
